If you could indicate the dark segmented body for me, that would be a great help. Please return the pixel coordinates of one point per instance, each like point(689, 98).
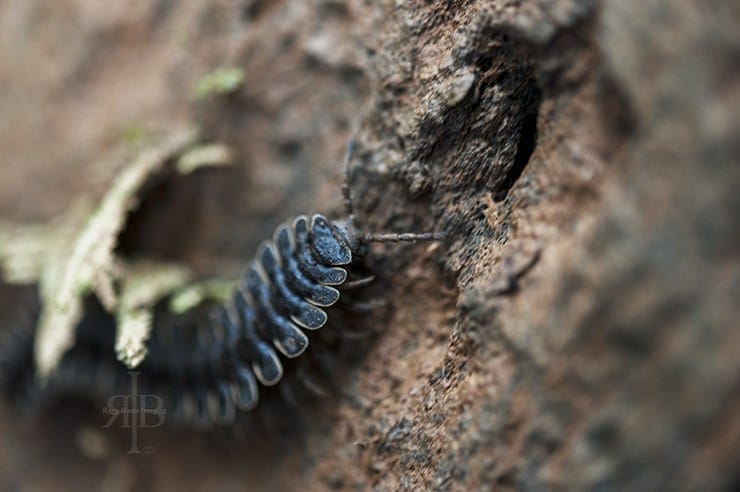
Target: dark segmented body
point(206, 372)
point(88, 369)
point(16, 362)
point(285, 290)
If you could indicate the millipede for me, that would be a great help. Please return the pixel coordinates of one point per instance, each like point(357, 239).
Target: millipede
point(211, 369)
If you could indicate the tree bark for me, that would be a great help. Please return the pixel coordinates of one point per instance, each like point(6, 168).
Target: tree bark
point(578, 328)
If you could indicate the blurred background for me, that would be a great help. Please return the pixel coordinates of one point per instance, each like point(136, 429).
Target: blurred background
point(578, 328)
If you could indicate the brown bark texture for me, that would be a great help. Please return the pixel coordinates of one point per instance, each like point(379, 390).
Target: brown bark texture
point(577, 330)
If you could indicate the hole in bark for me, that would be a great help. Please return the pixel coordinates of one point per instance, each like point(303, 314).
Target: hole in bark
point(485, 63)
point(525, 147)
point(151, 227)
point(173, 216)
point(252, 10)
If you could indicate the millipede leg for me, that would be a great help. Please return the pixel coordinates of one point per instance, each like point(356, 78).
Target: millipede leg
point(360, 282)
point(310, 382)
point(364, 307)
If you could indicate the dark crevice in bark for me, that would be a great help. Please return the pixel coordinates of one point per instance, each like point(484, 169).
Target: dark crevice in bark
point(525, 147)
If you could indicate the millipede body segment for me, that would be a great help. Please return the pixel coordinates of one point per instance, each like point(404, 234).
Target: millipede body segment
point(284, 291)
point(208, 371)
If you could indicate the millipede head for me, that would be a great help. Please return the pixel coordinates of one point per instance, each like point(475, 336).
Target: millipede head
point(209, 368)
point(330, 242)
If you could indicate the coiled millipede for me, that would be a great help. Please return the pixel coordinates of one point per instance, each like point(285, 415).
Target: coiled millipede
point(212, 371)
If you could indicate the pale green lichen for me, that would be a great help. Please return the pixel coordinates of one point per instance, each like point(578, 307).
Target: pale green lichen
point(134, 135)
point(88, 263)
point(220, 81)
point(142, 285)
point(208, 155)
point(26, 250)
point(23, 251)
point(192, 295)
point(73, 256)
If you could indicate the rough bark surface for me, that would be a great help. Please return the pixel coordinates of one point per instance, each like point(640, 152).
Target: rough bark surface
point(579, 328)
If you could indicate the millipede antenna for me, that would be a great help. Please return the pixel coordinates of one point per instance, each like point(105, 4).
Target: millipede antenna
point(405, 237)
